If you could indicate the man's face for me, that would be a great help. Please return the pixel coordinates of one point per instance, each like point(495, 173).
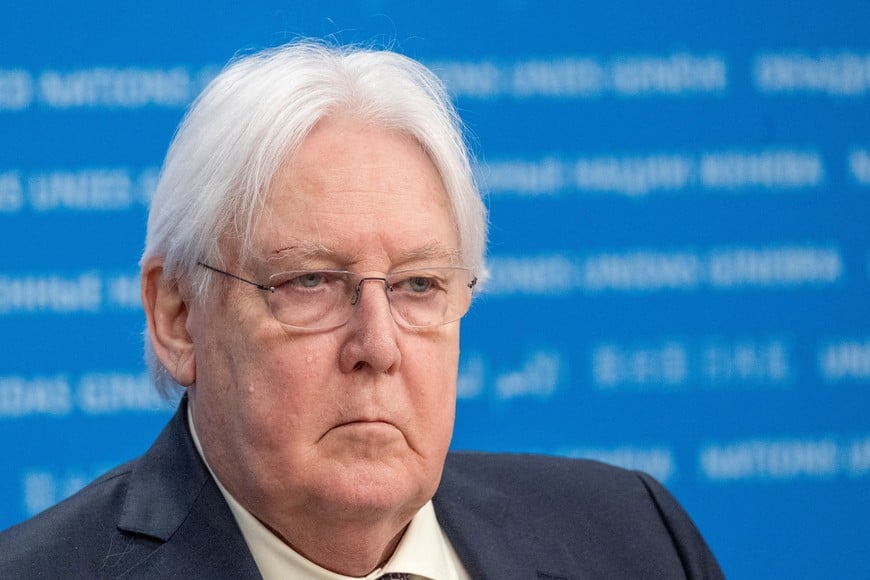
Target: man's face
point(353, 422)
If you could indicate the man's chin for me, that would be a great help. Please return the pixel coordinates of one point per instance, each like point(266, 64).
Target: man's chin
point(366, 446)
point(374, 486)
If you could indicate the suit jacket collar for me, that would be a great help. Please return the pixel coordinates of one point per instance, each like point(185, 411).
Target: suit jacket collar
point(173, 499)
point(493, 536)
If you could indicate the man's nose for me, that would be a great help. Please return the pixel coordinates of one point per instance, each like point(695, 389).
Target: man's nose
point(376, 304)
point(357, 296)
point(373, 341)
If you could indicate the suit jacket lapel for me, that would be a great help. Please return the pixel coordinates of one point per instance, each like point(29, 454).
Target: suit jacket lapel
point(173, 499)
point(493, 537)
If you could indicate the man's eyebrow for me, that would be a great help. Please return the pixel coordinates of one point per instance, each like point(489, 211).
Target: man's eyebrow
point(433, 250)
point(308, 250)
point(303, 250)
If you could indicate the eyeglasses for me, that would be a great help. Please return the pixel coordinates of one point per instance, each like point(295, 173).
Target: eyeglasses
point(324, 299)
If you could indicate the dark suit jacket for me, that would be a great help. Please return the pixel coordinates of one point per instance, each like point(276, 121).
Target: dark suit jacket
point(524, 517)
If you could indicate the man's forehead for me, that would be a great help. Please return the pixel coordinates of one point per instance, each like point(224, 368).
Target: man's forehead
point(303, 250)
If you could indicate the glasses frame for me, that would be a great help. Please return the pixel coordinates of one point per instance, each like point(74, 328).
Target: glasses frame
point(356, 297)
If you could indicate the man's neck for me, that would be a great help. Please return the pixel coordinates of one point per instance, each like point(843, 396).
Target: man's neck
point(351, 549)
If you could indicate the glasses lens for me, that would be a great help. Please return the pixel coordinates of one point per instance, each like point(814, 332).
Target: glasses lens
point(430, 297)
point(311, 299)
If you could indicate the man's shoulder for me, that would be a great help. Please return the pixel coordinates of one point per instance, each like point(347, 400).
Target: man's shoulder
point(536, 472)
point(122, 524)
point(609, 521)
point(561, 490)
point(64, 530)
point(103, 495)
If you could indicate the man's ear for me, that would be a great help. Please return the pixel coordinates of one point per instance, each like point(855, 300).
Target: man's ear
point(166, 311)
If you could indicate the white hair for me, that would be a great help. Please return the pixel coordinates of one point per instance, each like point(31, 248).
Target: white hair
point(256, 113)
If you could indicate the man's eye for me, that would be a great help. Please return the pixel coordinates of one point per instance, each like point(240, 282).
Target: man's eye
point(420, 284)
point(301, 280)
point(416, 284)
point(309, 280)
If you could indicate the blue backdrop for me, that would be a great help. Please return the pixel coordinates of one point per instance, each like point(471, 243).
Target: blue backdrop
point(680, 251)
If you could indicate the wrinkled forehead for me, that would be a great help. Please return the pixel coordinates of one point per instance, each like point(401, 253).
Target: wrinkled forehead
point(350, 187)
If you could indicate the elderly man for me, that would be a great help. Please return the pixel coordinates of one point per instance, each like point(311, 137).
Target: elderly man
point(312, 244)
